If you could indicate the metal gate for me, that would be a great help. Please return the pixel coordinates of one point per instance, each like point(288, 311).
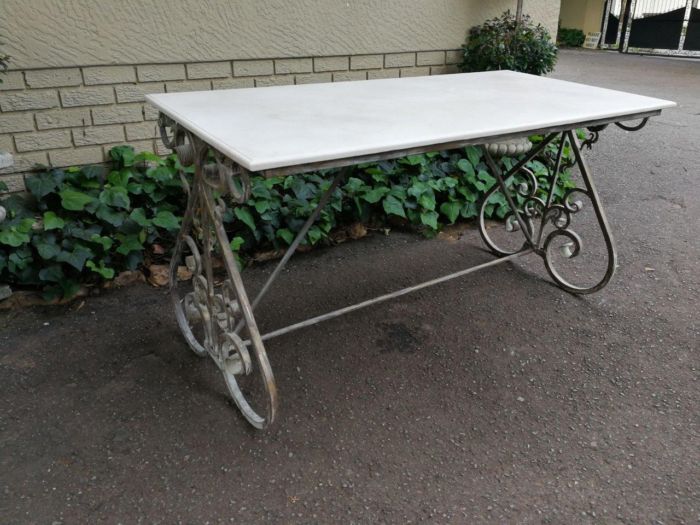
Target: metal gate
point(660, 27)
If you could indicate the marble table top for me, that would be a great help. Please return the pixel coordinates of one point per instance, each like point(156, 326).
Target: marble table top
point(286, 126)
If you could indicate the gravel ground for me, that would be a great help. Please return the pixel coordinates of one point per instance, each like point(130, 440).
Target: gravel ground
point(496, 398)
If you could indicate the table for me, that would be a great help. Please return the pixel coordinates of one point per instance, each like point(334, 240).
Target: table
point(227, 135)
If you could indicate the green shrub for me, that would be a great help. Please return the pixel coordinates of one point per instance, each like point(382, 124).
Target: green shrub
point(503, 43)
point(571, 37)
point(85, 225)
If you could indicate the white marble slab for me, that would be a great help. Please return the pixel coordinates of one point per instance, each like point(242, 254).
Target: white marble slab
point(265, 128)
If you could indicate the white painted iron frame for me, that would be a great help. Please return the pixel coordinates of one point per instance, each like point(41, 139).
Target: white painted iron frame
point(225, 312)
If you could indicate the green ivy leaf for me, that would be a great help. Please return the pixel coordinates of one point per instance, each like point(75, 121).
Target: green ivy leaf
point(393, 206)
point(115, 196)
point(146, 156)
point(466, 167)
point(469, 210)
point(53, 273)
point(160, 174)
point(414, 160)
point(486, 178)
point(53, 221)
point(418, 188)
point(42, 184)
point(123, 155)
point(94, 172)
point(77, 257)
point(236, 243)
point(74, 200)
point(109, 215)
point(13, 238)
point(119, 178)
point(261, 206)
point(138, 215)
point(314, 235)
point(473, 154)
point(105, 242)
point(25, 225)
point(107, 273)
point(129, 243)
point(353, 185)
point(427, 200)
point(376, 194)
point(286, 235)
point(245, 216)
point(429, 218)
point(451, 210)
point(47, 247)
point(166, 219)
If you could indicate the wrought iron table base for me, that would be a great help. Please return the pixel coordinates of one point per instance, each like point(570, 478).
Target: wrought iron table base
point(213, 316)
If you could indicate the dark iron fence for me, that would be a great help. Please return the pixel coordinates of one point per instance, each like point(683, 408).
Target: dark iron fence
point(664, 27)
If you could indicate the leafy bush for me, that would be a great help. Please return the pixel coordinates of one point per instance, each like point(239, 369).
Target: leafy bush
point(505, 43)
point(84, 225)
point(571, 37)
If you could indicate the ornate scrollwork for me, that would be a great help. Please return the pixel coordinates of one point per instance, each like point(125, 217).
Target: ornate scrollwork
point(213, 312)
point(546, 219)
point(593, 136)
point(633, 128)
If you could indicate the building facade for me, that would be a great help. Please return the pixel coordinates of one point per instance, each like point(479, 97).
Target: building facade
point(80, 68)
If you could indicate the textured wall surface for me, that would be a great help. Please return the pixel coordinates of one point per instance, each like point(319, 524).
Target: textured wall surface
point(51, 33)
point(80, 68)
point(585, 15)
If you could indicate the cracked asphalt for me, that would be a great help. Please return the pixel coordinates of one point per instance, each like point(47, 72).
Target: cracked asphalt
point(495, 398)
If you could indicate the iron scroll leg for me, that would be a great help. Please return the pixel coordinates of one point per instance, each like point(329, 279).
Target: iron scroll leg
point(531, 212)
point(208, 311)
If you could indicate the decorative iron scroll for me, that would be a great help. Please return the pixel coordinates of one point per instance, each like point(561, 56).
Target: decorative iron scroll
point(535, 213)
point(212, 311)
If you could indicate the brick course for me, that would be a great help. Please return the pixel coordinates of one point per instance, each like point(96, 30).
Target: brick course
point(63, 118)
point(251, 68)
point(42, 140)
point(108, 75)
point(98, 135)
point(89, 96)
point(44, 78)
point(73, 116)
point(118, 114)
point(154, 73)
point(25, 100)
point(209, 70)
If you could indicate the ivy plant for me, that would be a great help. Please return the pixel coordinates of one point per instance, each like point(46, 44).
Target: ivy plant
point(506, 43)
point(85, 225)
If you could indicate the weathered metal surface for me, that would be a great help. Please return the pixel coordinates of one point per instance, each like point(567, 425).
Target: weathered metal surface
point(208, 314)
point(212, 316)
